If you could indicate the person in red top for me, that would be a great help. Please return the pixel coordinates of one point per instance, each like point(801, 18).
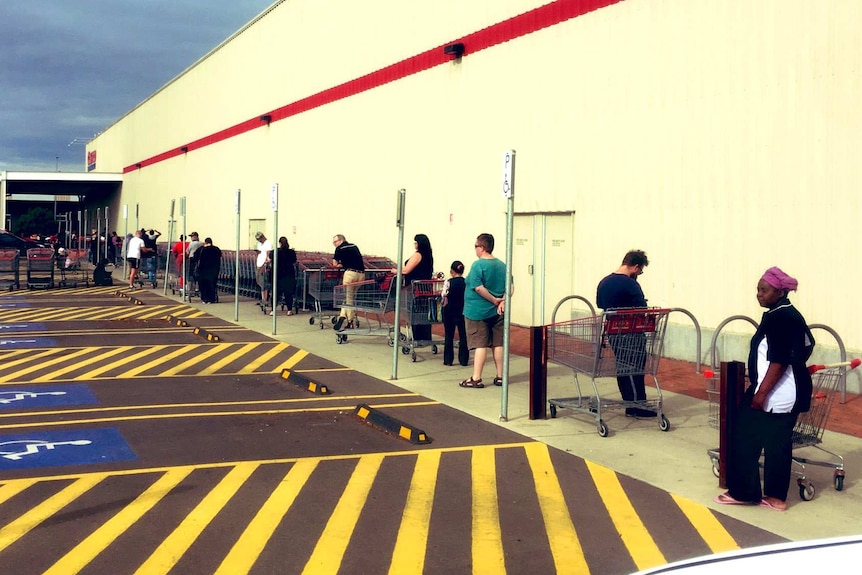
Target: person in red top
point(178, 250)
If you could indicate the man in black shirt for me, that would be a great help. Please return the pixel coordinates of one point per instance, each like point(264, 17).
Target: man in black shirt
point(347, 257)
point(149, 253)
point(622, 290)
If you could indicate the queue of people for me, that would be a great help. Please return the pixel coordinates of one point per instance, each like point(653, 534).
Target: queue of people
point(473, 308)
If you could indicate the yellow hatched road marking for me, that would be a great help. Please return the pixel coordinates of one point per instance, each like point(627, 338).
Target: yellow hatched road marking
point(43, 364)
point(194, 360)
point(159, 359)
point(264, 357)
point(211, 369)
point(122, 361)
point(705, 523)
point(35, 516)
point(340, 457)
point(408, 556)
point(55, 374)
point(10, 353)
point(178, 542)
point(330, 548)
point(13, 488)
point(633, 533)
point(294, 359)
point(488, 556)
point(96, 542)
point(29, 357)
point(565, 547)
point(257, 534)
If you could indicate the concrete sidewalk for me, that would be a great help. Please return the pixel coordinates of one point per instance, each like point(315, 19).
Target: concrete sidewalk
point(675, 461)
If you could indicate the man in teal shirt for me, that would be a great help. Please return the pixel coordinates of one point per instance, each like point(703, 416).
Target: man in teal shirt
point(483, 310)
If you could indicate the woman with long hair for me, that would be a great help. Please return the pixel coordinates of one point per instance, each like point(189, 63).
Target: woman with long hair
point(419, 266)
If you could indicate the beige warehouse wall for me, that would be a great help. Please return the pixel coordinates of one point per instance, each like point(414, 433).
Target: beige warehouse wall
point(719, 137)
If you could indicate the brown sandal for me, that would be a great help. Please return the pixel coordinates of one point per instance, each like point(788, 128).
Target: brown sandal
point(470, 382)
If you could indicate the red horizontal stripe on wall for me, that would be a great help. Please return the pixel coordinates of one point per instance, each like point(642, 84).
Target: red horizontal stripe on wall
point(515, 27)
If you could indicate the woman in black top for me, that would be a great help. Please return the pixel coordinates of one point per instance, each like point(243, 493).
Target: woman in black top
point(286, 280)
point(780, 389)
point(420, 266)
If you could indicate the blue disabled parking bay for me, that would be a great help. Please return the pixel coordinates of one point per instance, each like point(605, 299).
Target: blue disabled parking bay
point(7, 342)
point(20, 326)
point(27, 396)
point(58, 448)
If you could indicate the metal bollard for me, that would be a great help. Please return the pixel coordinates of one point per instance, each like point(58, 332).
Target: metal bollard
point(538, 372)
point(731, 389)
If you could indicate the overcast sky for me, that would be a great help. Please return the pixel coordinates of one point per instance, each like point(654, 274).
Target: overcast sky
point(70, 68)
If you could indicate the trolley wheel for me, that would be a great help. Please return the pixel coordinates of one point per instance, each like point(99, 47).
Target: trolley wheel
point(339, 338)
point(311, 320)
point(553, 410)
point(838, 480)
point(334, 319)
point(405, 350)
point(602, 429)
point(806, 490)
point(715, 469)
point(664, 423)
point(390, 342)
point(434, 349)
point(413, 356)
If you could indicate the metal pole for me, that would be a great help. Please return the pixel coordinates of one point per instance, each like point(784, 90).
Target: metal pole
point(185, 290)
point(98, 235)
point(274, 293)
point(508, 192)
point(236, 264)
point(169, 258)
point(125, 238)
point(396, 333)
point(107, 237)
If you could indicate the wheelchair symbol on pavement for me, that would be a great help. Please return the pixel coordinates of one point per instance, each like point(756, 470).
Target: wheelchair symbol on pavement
point(22, 395)
point(32, 447)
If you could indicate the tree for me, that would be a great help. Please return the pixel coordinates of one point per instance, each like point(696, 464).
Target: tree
point(36, 221)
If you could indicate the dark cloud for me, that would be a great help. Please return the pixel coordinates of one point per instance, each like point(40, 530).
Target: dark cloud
point(70, 69)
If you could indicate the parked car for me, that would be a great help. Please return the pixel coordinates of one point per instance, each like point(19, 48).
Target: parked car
point(8, 240)
point(832, 555)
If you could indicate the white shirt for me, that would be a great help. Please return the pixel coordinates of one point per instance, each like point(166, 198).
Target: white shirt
point(194, 246)
point(262, 250)
point(783, 396)
point(135, 245)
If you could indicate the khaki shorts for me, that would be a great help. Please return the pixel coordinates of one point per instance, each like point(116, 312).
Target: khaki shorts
point(485, 332)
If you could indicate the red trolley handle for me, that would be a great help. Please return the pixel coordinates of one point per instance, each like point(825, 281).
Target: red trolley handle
point(853, 364)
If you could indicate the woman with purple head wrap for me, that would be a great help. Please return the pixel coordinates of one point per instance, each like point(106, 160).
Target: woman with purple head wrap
point(779, 280)
point(780, 389)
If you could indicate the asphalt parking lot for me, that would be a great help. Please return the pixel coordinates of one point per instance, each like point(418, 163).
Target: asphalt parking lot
point(139, 434)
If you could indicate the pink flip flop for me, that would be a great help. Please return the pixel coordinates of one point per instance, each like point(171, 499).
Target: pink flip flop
point(726, 499)
point(769, 505)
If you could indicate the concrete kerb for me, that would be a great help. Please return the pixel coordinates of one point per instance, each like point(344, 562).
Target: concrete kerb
point(304, 383)
point(385, 422)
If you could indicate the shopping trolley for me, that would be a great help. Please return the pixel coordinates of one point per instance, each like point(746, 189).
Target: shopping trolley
point(10, 268)
point(321, 284)
point(72, 268)
point(421, 304)
point(809, 427)
point(623, 342)
point(40, 268)
point(374, 298)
